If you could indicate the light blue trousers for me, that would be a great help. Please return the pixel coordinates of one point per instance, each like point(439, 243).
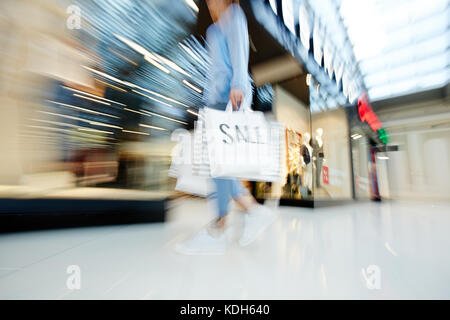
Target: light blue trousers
point(226, 189)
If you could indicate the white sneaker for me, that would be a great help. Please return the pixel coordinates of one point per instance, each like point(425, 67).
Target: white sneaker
point(255, 222)
point(203, 243)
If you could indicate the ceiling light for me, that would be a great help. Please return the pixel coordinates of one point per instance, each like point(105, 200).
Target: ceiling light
point(163, 96)
point(111, 85)
point(151, 127)
point(125, 83)
point(96, 123)
point(129, 84)
point(133, 45)
point(83, 109)
point(95, 130)
point(91, 99)
point(192, 86)
point(64, 116)
point(193, 112)
point(136, 132)
point(192, 4)
point(191, 52)
point(151, 98)
point(137, 112)
point(171, 64)
point(123, 57)
point(156, 64)
point(161, 116)
point(56, 123)
point(93, 95)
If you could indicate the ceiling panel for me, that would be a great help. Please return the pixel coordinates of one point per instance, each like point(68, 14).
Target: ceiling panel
point(402, 46)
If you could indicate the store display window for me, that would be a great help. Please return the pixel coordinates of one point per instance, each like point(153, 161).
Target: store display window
point(331, 156)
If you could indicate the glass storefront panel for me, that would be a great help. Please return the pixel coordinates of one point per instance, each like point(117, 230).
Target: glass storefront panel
point(317, 155)
point(360, 155)
point(297, 180)
point(331, 155)
point(330, 144)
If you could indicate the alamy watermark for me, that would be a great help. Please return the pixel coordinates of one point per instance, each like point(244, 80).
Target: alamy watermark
point(74, 19)
point(73, 281)
point(372, 277)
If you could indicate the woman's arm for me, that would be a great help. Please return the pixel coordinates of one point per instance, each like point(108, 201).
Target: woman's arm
point(235, 29)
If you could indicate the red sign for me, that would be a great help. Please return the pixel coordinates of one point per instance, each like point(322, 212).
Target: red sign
point(325, 176)
point(366, 113)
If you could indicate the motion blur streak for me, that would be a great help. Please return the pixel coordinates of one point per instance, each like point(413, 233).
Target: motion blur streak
point(73, 80)
point(105, 118)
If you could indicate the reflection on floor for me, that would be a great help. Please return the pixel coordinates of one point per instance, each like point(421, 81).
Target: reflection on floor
point(366, 251)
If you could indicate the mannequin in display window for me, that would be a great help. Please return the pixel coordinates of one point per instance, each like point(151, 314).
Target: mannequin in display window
point(307, 167)
point(294, 161)
point(318, 155)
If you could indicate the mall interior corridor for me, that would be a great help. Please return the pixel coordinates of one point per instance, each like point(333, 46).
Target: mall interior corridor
point(122, 121)
point(387, 250)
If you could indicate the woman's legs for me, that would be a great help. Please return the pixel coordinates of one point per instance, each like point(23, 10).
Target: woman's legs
point(223, 197)
point(227, 189)
point(241, 195)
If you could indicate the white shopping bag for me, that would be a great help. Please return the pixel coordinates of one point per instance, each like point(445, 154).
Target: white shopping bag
point(242, 144)
point(181, 167)
point(200, 164)
point(189, 183)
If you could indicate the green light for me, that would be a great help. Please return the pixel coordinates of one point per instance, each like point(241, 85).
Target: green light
point(382, 134)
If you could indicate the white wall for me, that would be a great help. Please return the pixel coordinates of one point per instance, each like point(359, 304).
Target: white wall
point(291, 111)
point(420, 169)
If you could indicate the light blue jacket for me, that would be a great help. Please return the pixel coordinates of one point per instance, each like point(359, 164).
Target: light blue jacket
point(228, 47)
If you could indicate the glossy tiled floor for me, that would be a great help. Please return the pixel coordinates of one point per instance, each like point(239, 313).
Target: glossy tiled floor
point(316, 254)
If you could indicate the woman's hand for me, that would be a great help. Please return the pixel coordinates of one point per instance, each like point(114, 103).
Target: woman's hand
point(236, 97)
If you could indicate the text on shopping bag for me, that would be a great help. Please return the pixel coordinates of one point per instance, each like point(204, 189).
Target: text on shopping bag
point(241, 134)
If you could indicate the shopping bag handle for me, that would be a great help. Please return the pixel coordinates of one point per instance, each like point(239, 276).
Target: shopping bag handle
point(244, 107)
